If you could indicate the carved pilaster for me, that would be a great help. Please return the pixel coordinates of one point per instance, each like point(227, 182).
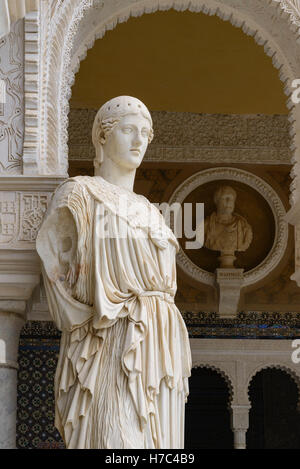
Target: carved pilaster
point(31, 136)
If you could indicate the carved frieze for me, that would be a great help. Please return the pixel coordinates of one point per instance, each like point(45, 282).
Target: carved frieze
point(189, 137)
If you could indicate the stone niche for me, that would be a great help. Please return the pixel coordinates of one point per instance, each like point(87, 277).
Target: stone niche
point(264, 211)
point(252, 206)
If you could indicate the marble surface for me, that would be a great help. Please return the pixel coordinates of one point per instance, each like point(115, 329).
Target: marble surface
point(109, 270)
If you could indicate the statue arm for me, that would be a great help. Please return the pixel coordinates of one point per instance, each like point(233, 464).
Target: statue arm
point(57, 240)
point(57, 246)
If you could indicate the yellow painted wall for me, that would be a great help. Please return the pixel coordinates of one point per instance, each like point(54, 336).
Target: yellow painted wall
point(180, 61)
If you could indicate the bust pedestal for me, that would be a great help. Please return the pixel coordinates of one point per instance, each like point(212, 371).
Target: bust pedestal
point(229, 282)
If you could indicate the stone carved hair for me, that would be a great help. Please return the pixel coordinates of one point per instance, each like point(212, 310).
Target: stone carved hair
point(219, 192)
point(110, 114)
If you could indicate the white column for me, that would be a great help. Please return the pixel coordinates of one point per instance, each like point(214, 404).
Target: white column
point(240, 424)
point(10, 327)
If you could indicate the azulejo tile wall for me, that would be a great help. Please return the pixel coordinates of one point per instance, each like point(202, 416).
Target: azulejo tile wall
point(38, 354)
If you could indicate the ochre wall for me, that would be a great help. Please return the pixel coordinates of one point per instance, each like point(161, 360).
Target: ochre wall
point(180, 61)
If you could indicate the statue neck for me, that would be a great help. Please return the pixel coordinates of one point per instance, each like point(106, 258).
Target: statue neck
point(116, 174)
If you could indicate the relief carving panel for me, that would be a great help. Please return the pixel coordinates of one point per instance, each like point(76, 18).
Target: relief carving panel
point(21, 215)
point(12, 110)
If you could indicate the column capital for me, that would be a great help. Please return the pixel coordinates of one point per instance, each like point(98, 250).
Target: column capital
point(240, 424)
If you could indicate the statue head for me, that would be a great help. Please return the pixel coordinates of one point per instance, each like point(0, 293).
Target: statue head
point(122, 131)
point(224, 198)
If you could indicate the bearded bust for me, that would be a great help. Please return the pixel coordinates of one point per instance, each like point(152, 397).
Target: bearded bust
point(225, 230)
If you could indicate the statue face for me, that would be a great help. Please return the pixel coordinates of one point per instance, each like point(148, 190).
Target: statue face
point(127, 143)
point(226, 203)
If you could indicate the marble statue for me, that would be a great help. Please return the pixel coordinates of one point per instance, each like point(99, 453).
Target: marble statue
point(225, 230)
point(122, 375)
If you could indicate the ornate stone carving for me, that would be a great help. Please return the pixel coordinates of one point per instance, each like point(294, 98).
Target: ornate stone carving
point(21, 215)
point(32, 59)
point(33, 209)
point(12, 11)
point(75, 25)
point(22, 211)
point(293, 8)
point(202, 137)
point(11, 112)
point(281, 232)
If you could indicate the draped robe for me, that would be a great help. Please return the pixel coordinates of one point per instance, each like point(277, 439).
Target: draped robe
point(122, 375)
point(233, 236)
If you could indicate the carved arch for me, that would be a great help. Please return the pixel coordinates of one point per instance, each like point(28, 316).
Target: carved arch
point(76, 24)
point(223, 374)
point(285, 369)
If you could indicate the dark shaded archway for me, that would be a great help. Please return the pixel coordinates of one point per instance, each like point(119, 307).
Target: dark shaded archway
point(207, 422)
point(274, 422)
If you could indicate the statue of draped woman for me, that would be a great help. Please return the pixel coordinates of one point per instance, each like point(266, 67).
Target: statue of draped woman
point(109, 270)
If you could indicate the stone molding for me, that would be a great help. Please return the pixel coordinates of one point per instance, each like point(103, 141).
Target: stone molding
point(19, 275)
point(76, 24)
point(191, 137)
point(31, 84)
point(281, 227)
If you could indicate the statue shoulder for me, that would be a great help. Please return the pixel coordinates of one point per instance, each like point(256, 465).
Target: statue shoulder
point(70, 187)
point(242, 220)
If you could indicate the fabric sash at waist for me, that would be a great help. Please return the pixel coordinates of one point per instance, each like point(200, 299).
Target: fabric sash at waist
point(163, 295)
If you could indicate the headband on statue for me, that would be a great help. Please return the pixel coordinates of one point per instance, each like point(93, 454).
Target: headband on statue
point(110, 114)
point(121, 106)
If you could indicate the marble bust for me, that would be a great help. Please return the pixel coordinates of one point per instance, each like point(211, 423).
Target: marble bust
point(225, 230)
point(122, 375)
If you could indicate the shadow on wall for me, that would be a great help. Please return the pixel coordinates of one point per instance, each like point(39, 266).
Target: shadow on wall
point(207, 418)
point(274, 422)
